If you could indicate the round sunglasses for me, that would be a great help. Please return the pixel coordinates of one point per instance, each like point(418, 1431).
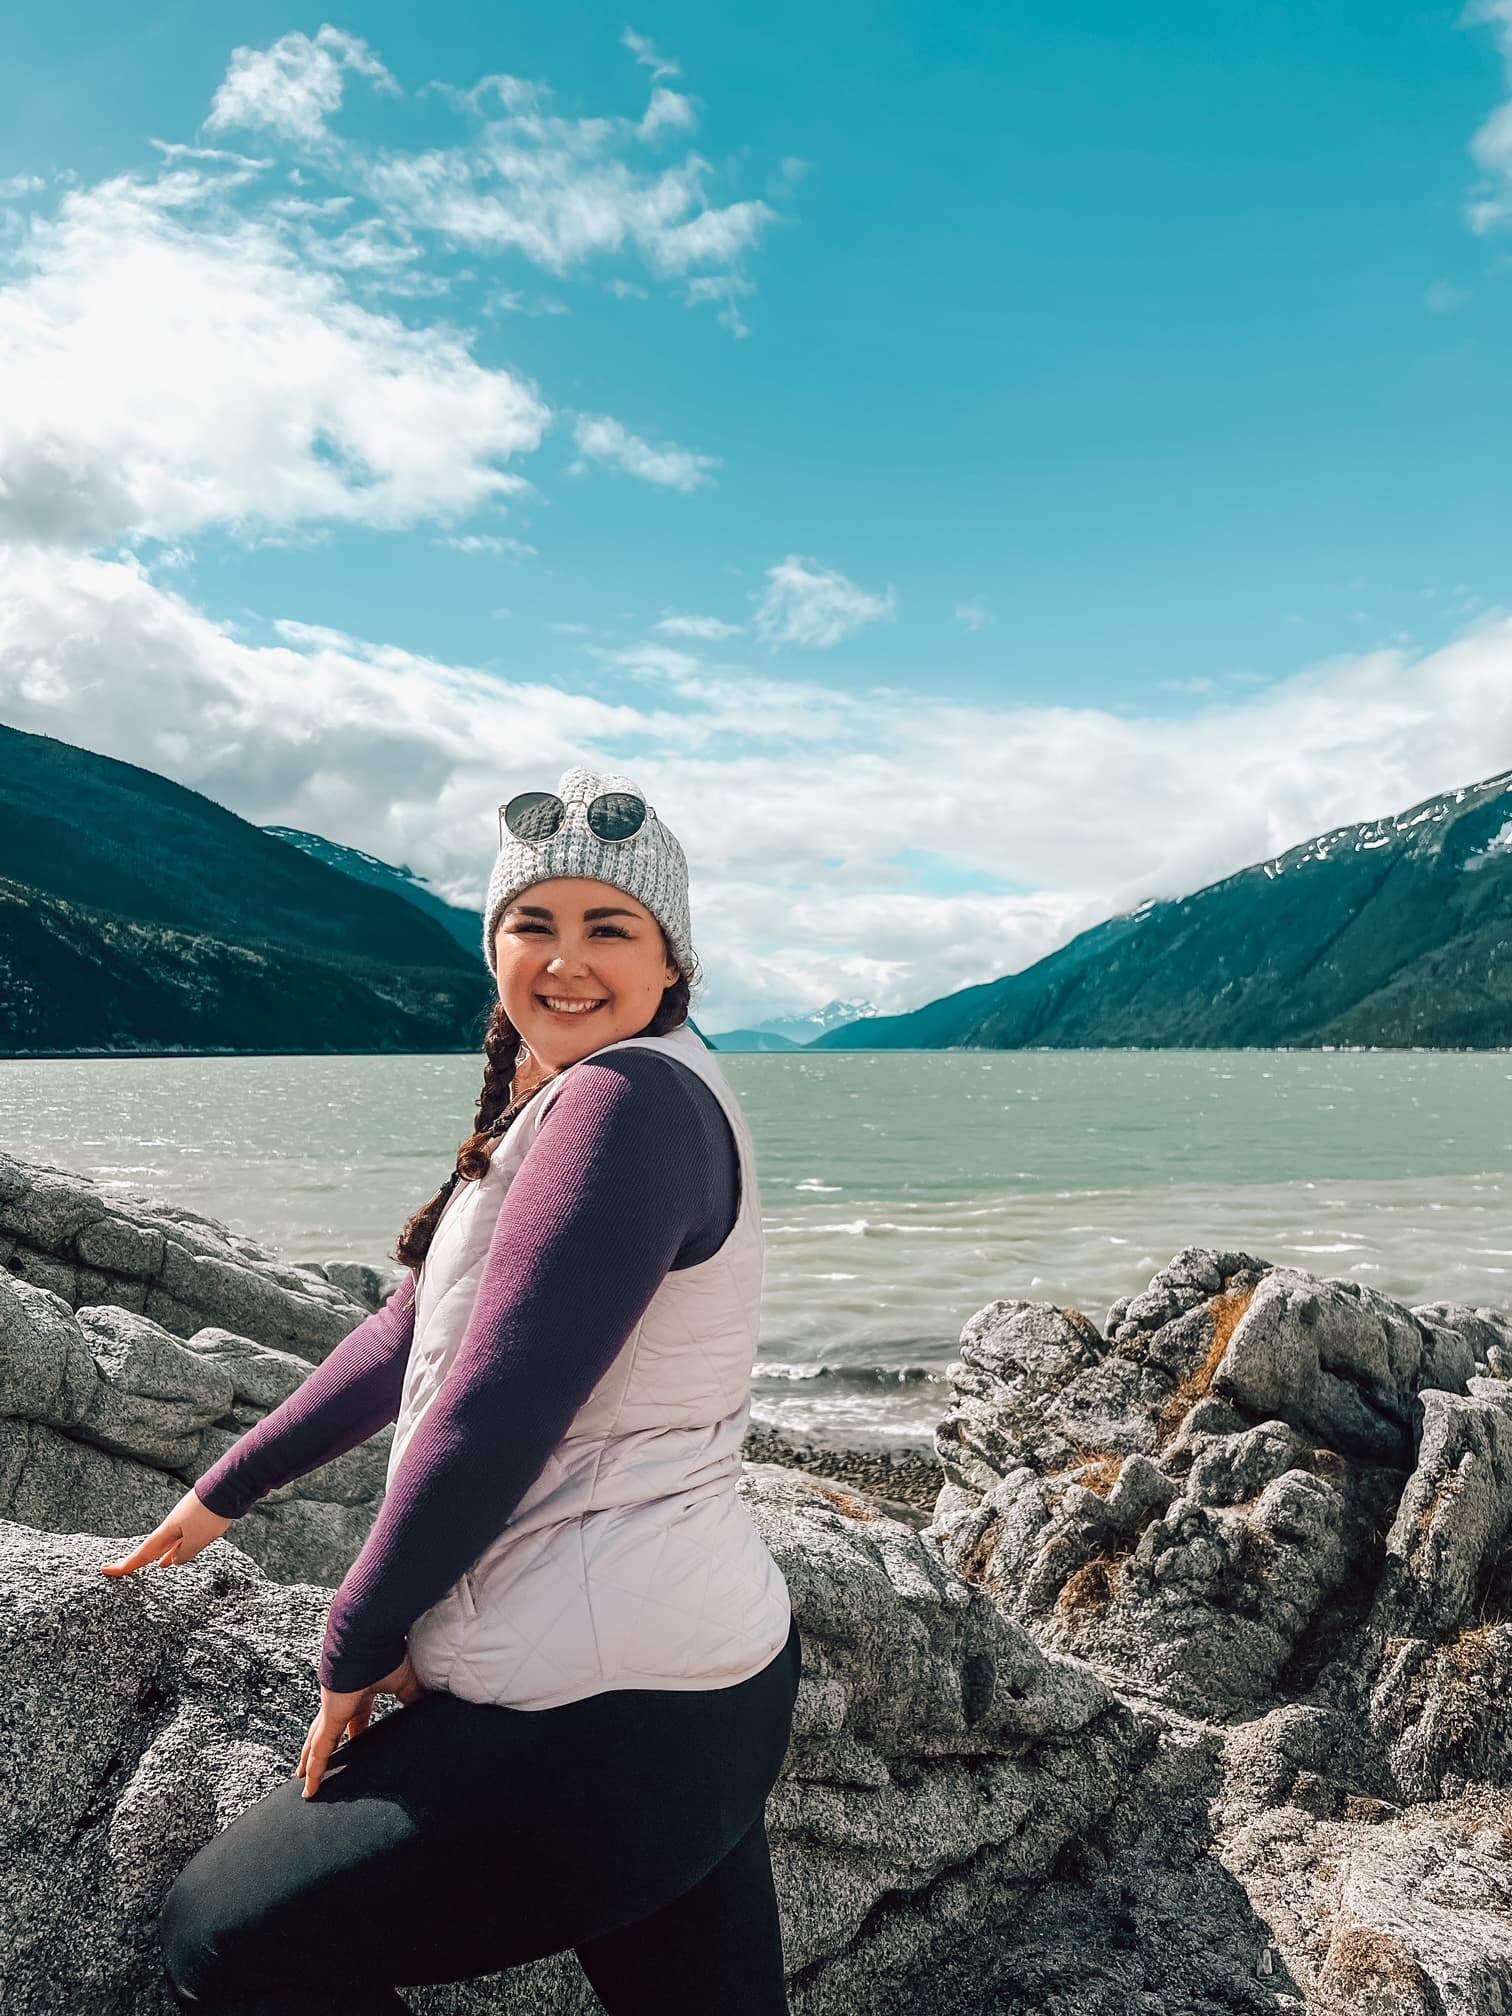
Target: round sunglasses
point(533, 816)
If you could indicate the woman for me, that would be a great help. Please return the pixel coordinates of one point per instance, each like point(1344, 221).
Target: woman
point(594, 1652)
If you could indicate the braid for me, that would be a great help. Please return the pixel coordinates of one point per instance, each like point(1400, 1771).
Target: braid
point(496, 1109)
point(494, 1112)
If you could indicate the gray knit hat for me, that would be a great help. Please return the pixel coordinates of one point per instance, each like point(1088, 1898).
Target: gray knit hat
point(650, 865)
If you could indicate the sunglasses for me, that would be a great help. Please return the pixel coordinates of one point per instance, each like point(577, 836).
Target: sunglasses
point(533, 816)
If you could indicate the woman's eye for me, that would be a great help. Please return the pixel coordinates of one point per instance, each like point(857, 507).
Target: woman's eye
point(613, 930)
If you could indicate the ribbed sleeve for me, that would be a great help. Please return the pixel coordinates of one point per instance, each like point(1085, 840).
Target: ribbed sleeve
point(348, 1397)
point(634, 1171)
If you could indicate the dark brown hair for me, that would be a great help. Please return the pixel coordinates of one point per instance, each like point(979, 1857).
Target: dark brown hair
point(496, 1109)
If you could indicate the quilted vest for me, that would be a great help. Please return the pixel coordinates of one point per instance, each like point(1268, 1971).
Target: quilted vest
point(630, 1561)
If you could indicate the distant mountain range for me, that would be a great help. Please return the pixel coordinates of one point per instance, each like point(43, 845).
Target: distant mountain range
point(136, 915)
point(1393, 932)
point(792, 1032)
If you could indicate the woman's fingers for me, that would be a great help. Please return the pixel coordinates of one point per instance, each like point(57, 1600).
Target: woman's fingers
point(188, 1529)
point(318, 1747)
point(156, 1547)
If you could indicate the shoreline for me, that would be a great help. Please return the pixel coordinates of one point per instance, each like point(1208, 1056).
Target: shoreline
point(912, 1475)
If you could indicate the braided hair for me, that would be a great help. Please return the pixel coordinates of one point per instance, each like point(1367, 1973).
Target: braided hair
point(497, 1108)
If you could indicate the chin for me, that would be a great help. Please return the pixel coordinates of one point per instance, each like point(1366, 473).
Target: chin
point(550, 1036)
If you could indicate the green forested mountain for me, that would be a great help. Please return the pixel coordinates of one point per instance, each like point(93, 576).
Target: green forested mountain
point(466, 926)
point(1396, 931)
point(136, 915)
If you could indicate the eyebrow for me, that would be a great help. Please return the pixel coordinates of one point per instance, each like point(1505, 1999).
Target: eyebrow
point(539, 910)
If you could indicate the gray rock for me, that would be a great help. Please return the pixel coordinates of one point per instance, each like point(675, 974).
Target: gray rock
point(371, 1286)
point(1337, 1360)
point(1187, 1698)
point(92, 1246)
point(107, 1417)
point(934, 1745)
point(1454, 1518)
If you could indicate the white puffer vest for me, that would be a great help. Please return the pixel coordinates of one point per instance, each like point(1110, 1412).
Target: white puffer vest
point(630, 1561)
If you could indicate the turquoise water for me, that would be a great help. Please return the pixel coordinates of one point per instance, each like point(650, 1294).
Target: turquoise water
point(899, 1192)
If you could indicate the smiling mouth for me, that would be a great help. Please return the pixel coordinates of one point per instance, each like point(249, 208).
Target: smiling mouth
point(562, 1004)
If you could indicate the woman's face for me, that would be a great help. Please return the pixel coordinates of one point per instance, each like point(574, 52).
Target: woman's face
point(576, 940)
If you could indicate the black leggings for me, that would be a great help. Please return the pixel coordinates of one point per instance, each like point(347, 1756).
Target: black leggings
point(453, 1838)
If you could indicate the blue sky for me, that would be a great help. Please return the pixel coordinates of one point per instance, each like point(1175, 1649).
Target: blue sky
point(981, 466)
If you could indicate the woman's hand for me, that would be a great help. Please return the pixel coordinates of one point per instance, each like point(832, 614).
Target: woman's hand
point(349, 1715)
point(187, 1531)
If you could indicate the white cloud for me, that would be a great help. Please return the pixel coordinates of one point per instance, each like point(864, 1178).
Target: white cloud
point(487, 542)
point(974, 615)
point(290, 88)
point(167, 363)
point(560, 203)
point(812, 605)
point(668, 112)
point(710, 628)
point(602, 439)
point(526, 180)
point(645, 52)
point(1490, 203)
point(726, 288)
point(563, 192)
point(797, 892)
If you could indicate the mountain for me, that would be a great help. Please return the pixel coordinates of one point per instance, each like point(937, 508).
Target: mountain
point(1395, 932)
point(804, 1028)
point(137, 915)
point(751, 1039)
point(465, 926)
point(793, 1032)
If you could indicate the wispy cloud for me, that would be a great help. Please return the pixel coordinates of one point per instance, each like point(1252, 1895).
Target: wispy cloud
point(563, 192)
point(602, 439)
point(644, 51)
point(974, 615)
point(487, 542)
point(727, 289)
point(709, 628)
point(291, 87)
point(815, 606)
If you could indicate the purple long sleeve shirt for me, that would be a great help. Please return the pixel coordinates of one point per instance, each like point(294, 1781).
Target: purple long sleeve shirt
point(634, 1172)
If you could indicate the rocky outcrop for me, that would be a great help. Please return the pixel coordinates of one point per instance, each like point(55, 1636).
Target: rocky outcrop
point(939, 1766)
point(96, 1247)
point(107, 1417)
point(1280, 1507)
point(1187, 1695)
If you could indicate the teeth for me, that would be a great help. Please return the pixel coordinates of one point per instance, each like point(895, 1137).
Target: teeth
point(571, 1007)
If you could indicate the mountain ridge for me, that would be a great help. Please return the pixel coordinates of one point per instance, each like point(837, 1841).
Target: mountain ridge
point(139, 916)
point(1386, 942)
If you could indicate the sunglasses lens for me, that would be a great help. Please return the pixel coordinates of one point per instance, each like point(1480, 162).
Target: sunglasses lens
point(616, 815)
point(534, 815)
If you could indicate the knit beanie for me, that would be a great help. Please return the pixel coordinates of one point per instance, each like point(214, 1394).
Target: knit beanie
point(650, 865)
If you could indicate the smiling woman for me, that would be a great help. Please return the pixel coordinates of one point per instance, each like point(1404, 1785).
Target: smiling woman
point(569, 1375)
point(568, 955)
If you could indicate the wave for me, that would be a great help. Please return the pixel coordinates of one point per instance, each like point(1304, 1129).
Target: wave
point(865, 1376)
